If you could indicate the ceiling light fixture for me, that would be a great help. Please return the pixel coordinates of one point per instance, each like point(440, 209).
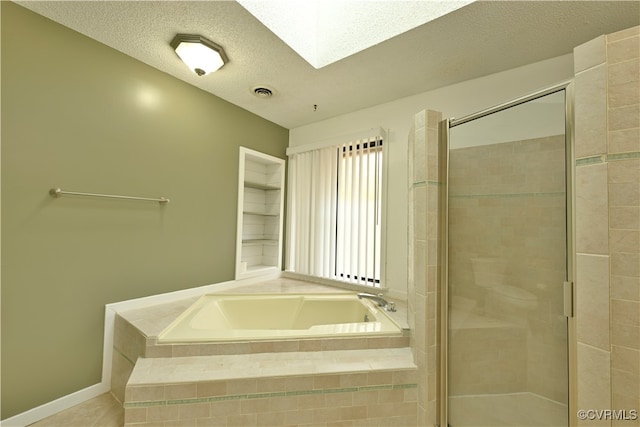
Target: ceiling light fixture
point(202, 56)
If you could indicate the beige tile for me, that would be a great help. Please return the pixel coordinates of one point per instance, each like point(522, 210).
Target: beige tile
point(627, 312)
point(210, 389)
point(623, 34)
point(624, 117)
point(624, 94)
point(624, 171)
point(419, 159)
point(420, 267)
point(158, 351)
point(353, 412)
point(334, 400)
point(625, 359)
point(254, 406)
point(378, 378)
point(299, 417)
point(625, 385)
point(624, 240)
point(625, 335)
point(325, 415)
point(420, 119)
point(594, 379)
point(242, 420)
point(623, 72)
point(271, 419)
point(624, 194)
point(625, 264)
point(420, 213)
point(312, 401)
point(310, 345)
point(369, 397)
point(433, 119)
point(242, 386)
point(121, 369)
point(271, 384)
point(592, 228)
point(624, 141)
point(299, 383)
point(591, 112)
point(103, 411)
point(625, 288)
point(144, 393)
point(135, 415)
point(433, 142)
point(625, 217)
point(180, 391)
point(163, 413)
point(589, 54)
point(432, 167)
point(283, 403)
point(623, 49)
point(112, 415)
point(185, 350)
point(225, 407)
point(592, 297)
point(326, 381)
point(353, 380)
point(623, 402)
point(194, 410)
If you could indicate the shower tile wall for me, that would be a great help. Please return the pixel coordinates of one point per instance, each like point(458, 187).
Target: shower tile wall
point(424, 189)
point(607, 108)
point(510, 198)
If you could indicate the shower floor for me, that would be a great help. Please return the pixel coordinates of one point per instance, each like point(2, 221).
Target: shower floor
point(512, 410)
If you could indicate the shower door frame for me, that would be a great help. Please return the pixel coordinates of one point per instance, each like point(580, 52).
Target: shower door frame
point(445, 125)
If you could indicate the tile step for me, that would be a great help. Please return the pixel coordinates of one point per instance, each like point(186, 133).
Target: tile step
point(193, 369)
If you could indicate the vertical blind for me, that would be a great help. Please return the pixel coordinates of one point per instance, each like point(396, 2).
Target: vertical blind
point(334, 217)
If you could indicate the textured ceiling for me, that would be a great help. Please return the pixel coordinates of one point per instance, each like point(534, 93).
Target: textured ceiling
point(480, 39)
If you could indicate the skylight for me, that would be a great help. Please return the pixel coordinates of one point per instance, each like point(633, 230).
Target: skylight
point(325, 31)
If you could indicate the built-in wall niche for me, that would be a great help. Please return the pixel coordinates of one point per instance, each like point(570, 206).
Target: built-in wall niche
point(260, 209)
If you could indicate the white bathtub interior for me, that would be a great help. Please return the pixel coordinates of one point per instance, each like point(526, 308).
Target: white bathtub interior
point(221, 317)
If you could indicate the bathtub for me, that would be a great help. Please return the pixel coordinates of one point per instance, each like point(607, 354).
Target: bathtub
point(241, 317)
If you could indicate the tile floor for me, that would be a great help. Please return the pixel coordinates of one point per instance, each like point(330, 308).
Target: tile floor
point(101, 411)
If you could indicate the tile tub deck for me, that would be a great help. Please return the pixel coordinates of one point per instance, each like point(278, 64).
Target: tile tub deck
point(345, 381)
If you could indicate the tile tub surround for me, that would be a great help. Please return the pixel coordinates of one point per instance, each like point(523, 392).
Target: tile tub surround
point(351, 387)
point(135, 333)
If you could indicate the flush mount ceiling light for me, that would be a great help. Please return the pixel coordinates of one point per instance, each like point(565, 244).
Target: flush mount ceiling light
point(202, 56)
point(325, 31)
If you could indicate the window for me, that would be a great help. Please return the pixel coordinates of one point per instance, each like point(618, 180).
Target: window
point(335, 212)
point(358, 215)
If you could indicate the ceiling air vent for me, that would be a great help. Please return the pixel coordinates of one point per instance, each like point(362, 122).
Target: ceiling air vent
point(262, 92)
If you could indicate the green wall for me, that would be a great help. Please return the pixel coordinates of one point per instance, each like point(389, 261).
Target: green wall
point(84, 117)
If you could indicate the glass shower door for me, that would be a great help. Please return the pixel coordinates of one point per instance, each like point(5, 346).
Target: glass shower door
point(507, 333)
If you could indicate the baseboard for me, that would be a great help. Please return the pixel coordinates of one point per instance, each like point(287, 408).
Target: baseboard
point(51, 408)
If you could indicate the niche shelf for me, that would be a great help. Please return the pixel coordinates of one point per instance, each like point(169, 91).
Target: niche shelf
point(260, 214)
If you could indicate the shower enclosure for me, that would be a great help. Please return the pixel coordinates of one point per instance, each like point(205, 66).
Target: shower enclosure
point(506, 290)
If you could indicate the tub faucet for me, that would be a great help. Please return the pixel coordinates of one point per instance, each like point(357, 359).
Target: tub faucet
point(389, 306)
